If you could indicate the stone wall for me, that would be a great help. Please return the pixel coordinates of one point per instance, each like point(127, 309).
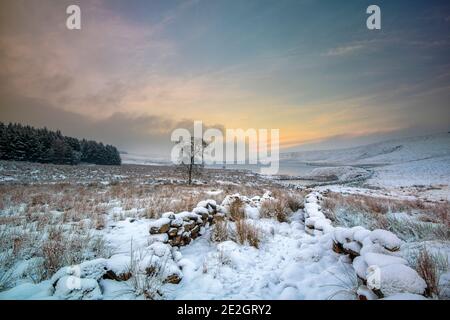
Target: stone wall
point(375, 255)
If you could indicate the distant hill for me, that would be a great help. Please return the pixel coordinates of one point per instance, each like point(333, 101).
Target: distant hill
point(133, 158)
point(381, 153)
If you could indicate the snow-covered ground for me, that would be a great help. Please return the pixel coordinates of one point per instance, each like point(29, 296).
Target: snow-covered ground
point(295, 259)
point(382, 153)
point(419, 165)
point(357, 235)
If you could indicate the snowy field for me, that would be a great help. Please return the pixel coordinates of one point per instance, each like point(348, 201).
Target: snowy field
point(371, 227)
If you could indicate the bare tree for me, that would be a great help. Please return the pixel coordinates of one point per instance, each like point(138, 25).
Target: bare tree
point(192, 156)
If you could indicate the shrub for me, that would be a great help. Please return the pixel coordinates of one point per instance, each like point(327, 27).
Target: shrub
point(277, 209)
point(280, 211)
point(429, 266)
point(247, 233)
point(237, 210)
point(148, 283)
point(220, 231)
point(267, 209)
point(295, 202)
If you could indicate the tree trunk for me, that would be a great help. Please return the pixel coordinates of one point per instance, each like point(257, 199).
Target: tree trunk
point(191, 164)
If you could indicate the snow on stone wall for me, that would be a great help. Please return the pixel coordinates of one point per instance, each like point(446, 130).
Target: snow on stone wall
point(375, 254)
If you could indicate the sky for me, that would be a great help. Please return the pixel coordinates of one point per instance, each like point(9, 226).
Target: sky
point(138, 69)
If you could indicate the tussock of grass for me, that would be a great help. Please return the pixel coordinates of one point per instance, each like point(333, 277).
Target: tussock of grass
point(220, 232)
point(427, 221)
point(247, 233)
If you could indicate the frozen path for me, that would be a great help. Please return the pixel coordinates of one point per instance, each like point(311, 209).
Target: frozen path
point(290, 264)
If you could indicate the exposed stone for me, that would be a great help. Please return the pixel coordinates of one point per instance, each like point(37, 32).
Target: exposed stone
point(177, 222)
point(160, 226)
point(169, 215)
point(74, 288)
point(172, 232)
point(185, 239)
point(111, 275)
point(195, 231)
point(173, 278)
point(337, 247)
point(189, 226)
point(176, 241)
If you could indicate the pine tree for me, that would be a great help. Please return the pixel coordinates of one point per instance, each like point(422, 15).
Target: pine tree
point(25, 143)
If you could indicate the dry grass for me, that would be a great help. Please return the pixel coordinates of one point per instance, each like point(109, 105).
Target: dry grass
point(275, 209)
point(296, 201)
point(283, 205)
point(247, 233)
point(49, 212)
point(148, 283)
point(237, 210)
point(379, 207)
point(423, 221)
point(220, 232)
point(430, 266)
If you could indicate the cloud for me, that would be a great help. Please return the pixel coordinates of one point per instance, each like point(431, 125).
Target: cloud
point(143, 134)
point(92, 70)
point(344, 51)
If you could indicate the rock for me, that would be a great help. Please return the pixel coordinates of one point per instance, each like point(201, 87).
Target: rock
point(201, 211)
point(195, 231)
point(75, 288)
point(111, 275)
point(323, 225)
point(365, 293)
point(352, 248)
point(118, 267)
point(369, 246)
point(381, 260)
point(173, 278)
point(172, 232)
point(185, 239)
point(176, 241)
point(337, 247)
point(161, 225)
point(172, 273)
point(159, 249)
point(395, 278)
point(189, 225)
point(360, 267)
point(169, 215)
point(177, 256)
point(93, 269)
point(177, 222)
point(162, 237)
point(386, 239)
point(360, 235)
point(210, 205)
point(309, 230)
point(187, 216)
point(342, 235)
